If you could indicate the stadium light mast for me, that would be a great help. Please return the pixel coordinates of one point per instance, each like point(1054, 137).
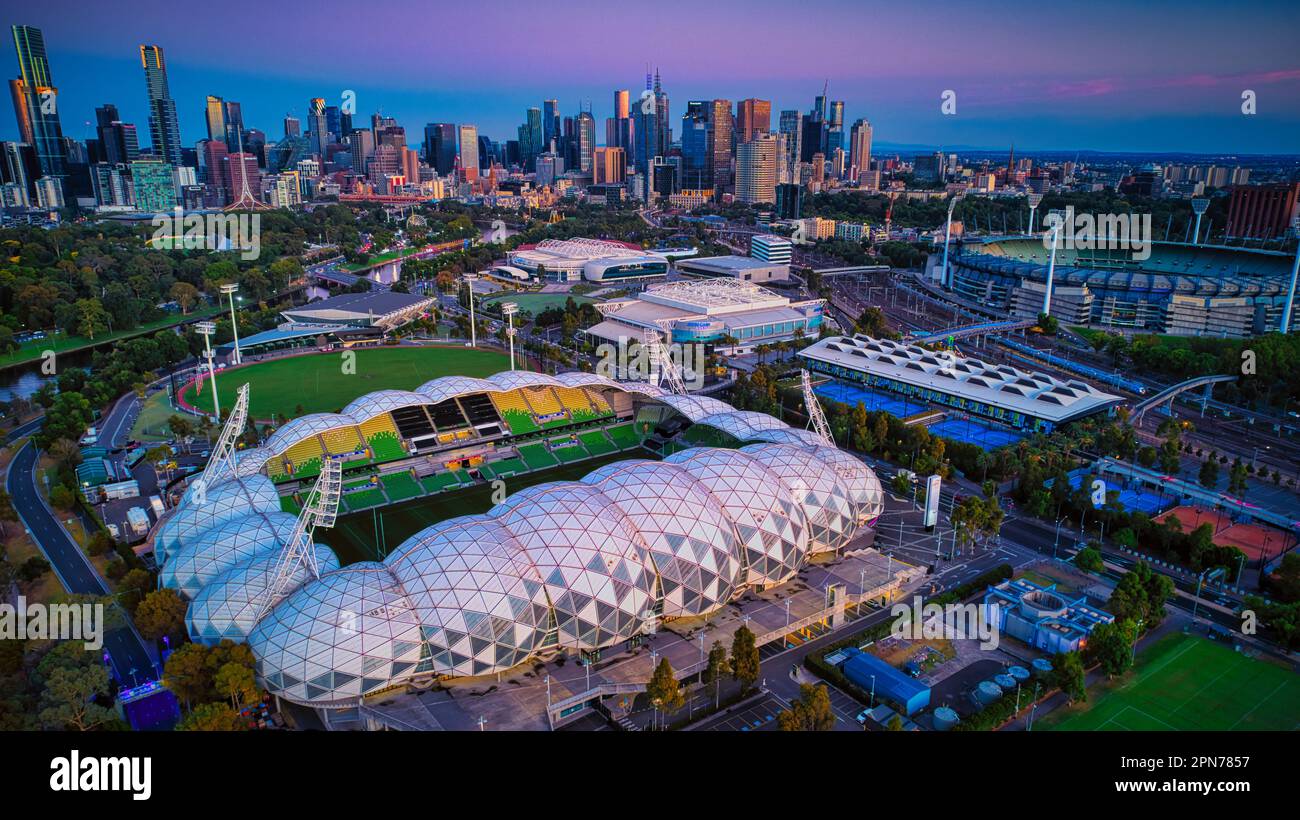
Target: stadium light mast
point(1199, 206)
point(947, 235)
point(1034, 200)
point(1290, 294)
point(508, 310)
point(1057, 224)
point(470, 279)
point(208, 329)
point(230, 290)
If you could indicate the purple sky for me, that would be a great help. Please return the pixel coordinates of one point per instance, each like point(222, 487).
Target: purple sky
point(1149, 76)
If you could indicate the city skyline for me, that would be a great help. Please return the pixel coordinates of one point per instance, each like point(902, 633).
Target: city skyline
point(1131, 93)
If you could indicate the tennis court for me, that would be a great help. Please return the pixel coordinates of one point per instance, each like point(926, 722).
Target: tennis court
point(851, 394)
point(987, 436)
point(1190, 683)
point(1255, 540)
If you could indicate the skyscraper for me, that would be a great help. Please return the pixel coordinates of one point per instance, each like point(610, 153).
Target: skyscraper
point(550, 125)
point(756, 170)
point(586, 141)
point(859, 149)
point(317, 126)
point(164, 127)
point(753, 117)
point(720, 128)
point(697, 164)
point(469, 152)
point(530, 139)
point(664, 139)
point(792, 127)
point(440, 146)
point(292, 126)
point(118, 143)
point(214, 112)
point(36, 102)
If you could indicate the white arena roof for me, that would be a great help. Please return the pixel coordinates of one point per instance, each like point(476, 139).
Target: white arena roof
point(1032, 393)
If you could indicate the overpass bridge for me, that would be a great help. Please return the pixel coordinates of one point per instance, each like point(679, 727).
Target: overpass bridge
point(1168, 395)
point(976, 329)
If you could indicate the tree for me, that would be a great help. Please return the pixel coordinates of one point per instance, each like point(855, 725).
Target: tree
point(212, 717)
point(1089, 560)
point(895, 724)
point(7, 511)
point(131, 590)
point(1070, 677)
point(236, 681)
point(185, 295)
point(663, 689)
point(161, 614)
point(187, 675)
point(1209, 477)
point(810, 713)
point(68, 701)
point(744, 658)
point(715, 671)
point(1111, 645)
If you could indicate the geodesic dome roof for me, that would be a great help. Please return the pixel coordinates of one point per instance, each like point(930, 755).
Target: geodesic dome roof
point(818, 488)
point(204, 507)
point(862, 482)
point(210, 553)
point(229, 605)
point(383, 401)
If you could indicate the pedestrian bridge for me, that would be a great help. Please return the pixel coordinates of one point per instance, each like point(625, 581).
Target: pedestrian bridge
point(1168, 395)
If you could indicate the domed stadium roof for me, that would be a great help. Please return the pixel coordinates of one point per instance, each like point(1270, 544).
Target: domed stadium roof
point(576, 565)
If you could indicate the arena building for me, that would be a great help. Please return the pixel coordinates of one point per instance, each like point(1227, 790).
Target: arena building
point(595, 260)
point(1023, 399)
point(709, 310)
point(562, 566)
point(383, 309)
point(1042, 616)
point(1181, 289)
point(744, 268)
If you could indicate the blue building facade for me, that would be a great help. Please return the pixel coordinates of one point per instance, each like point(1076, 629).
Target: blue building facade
point(1041, 616)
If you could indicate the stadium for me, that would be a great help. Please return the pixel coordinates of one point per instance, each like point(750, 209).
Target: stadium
point(595, 260)
point(1180, 289)
point(662, 528)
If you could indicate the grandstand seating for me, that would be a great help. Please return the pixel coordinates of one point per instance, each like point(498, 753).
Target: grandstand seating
point(442, 481)
point(412, 422)
point(536, 456)
point(401, 486)
point(624, 435)
point(596, 442)
point(516, 412)
point(380, 434)
point(575, 452)
point(504, 467)
point(543, 401)
point(342, 440)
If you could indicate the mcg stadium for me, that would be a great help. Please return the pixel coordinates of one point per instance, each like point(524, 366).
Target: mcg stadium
point(687, 503)
point(1181, 289)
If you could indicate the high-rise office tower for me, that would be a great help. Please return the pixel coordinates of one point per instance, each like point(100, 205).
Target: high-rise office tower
point(118, 142)
point(550, 125)
point(531, 138)
point(859, 149)
point(753, 117)
point(720, 128)
point(792, 126)
point(664, 139)
point(645, 134)
point(317, 126)
point(36, 102)
point(756, 162)
point(440, 147)
point(697, 162)
point(234, 124)
point(361, 145)
point(608, 164)
point(214, 112)
point(586, 141)
point(469, 152)
point(164, 127)
point(292, 126)
point(333, 122)
point(834, 128)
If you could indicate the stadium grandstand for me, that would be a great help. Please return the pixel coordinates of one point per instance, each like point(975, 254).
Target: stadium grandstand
point(560, 566)
point(382, 309)
point(595, 260)
point(1181, 289)
point(1024, 399)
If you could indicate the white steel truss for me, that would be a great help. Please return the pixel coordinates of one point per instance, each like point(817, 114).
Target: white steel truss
point(816, 417)
point(662, 365)
point(320, 510)
point(222, 463)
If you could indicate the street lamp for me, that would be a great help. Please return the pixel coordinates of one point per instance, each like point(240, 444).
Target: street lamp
point(230, 290)
point(873, 691)
point(1034, 199)
point(208, 329)
point(508, 310)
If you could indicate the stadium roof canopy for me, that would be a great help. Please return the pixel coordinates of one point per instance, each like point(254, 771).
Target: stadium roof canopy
point(1032, 393)
point(377, 308)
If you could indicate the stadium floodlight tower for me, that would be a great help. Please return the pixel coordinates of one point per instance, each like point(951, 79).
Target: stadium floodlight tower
point(1034, 200)
point(1199, 207)
point(321, 510)
point(230, 290)
point(209, 329)
point(508, 310)
point(1057, 224)
point(221, 464)
point(816, 417)
point(661, 365)
point(470, 279)
point(947, 235)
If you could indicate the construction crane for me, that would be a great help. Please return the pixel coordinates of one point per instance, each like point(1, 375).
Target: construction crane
point(320, 510)
point(816, 417)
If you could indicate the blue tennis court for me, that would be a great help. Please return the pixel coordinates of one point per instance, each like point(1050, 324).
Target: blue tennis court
point(974, 432)
point(851, 394)
point(1135, 499)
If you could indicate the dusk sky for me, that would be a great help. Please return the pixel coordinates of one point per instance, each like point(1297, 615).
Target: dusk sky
point(1113, 76)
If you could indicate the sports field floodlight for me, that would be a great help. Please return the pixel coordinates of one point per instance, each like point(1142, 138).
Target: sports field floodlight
point(947, 235)
point(1057, 225)
point(230, 290)
point(1290, 293)
point(508, 310)
point(1034, 200)
point(1199, 207)
point(209, 329)
point(470, 279)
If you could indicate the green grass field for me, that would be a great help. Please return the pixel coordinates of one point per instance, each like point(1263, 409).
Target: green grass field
point(354, 536)
point(1189, 683)
point(318, 383)
point(535, 303)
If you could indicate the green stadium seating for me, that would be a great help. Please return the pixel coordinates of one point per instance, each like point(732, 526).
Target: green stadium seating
point(401, 486)
point(570, 454)
point(536, 456)
point(596, 442)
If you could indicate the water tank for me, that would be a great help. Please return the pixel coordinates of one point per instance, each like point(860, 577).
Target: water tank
point(944, 719)
point(986, 693)
point(1005, 681)
point(1042, 667)
point(1020, 673)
